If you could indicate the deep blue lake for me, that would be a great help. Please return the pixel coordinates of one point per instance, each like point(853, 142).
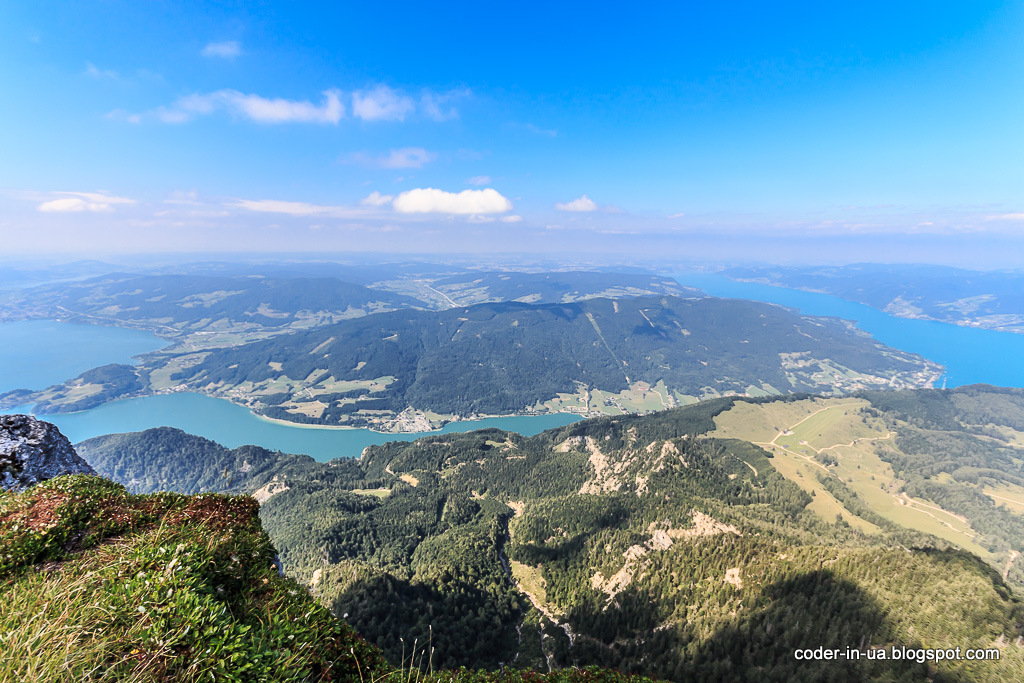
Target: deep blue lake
point(971, 355)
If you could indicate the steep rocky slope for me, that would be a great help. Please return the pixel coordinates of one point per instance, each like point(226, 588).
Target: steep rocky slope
point(32, 451)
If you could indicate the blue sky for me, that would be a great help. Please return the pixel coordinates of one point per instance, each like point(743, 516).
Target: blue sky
point(667, 129)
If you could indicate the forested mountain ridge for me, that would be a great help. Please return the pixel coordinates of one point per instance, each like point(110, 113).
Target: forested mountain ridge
point(658, 543)
point(592, 356)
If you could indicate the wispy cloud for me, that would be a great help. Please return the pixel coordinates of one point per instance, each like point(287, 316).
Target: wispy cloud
point(467, 202)
point(381, 104)
point(437, 106)
point(1017, 216)
point(93, 71)
point(228, 49)
point(375, 198)
point(407, 157)
point(536, 130)
point(581, 204)
point(297, 208)
point(255, 108)
point(77, 202)
point(182, 197)
point(479, 180)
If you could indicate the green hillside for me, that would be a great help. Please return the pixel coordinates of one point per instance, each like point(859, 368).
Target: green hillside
point(101, 585)
point(595, 356)
point(702, 543)
point(97, 584)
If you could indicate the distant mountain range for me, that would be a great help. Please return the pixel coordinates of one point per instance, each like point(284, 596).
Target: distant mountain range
point(174, 305)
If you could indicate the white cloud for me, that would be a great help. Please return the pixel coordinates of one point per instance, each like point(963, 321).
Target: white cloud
point(479, 180)
point(296, 208)
point(228, 49)
point(1007, 217)
point(677, 215)
point(69, 204)
point(511, 219)
point(76, 202)
point(375, 198)
point(381, 104)
point(581, 204)
point(407, 157)
point(467, 202)
point(255, 108)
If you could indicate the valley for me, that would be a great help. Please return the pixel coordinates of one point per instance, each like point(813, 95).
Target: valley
point(511, 343)
point(392, 370)
point(657, 544)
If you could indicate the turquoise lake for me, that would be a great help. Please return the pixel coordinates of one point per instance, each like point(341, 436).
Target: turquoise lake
point(40, 353)
point(971, 355)
point(36, 354)
point(232, 425)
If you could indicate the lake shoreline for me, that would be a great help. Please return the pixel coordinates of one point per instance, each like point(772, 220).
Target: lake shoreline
point(966, 323)
point(969, 354)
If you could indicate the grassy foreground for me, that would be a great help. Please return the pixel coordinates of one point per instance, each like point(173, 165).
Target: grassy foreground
point(97, 584)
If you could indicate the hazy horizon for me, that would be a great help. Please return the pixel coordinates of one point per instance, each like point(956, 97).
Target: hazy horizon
point(798, 134)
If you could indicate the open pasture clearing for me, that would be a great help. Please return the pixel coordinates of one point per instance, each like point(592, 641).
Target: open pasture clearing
point(803, 435)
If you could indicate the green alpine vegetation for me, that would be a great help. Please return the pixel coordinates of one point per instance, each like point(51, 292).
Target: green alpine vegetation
point(706, 542)
point(97, 584)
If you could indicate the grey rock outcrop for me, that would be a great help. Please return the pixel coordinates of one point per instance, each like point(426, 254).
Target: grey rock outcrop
point(32, 451)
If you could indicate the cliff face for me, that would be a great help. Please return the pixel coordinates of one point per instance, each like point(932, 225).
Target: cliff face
point(32, 451)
